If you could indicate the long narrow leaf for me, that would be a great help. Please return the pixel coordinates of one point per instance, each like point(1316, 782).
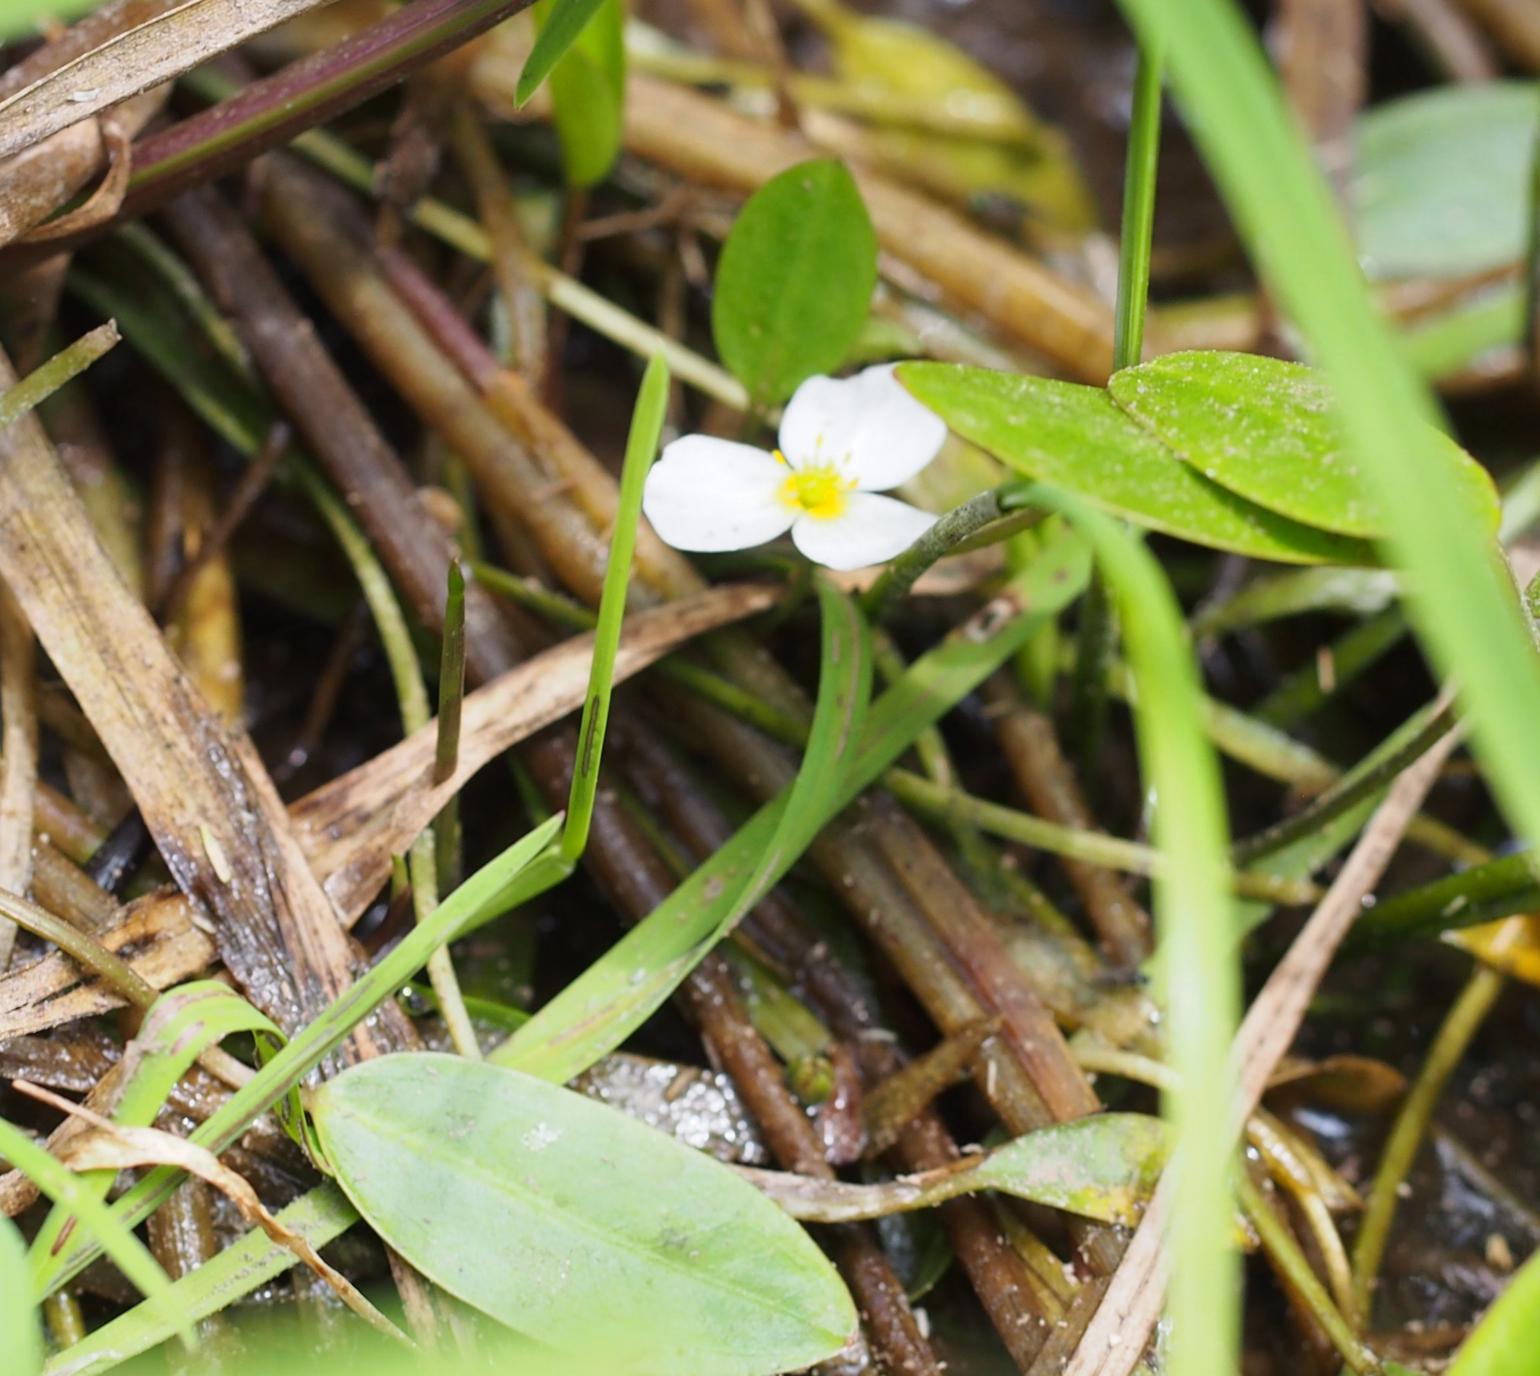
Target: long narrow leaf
point(318, 1038)
point(599, 1009)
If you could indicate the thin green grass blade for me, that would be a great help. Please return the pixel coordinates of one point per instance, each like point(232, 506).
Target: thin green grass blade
point(182, 1024)
point(639, 972)
point(1197, 958)
point(598, 1010)
point(309, 1046)
point(231, 1274)
point(559, 32)
point(19, 1318)
point(641, 447)
point(47, 378)
point(107, 1233)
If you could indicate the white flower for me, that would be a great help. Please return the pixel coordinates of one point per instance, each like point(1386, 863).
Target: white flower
point(842, 442)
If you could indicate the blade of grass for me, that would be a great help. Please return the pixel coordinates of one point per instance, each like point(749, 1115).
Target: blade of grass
point(641, 447)
point(590, 1017)
point(107, 1232)
point(312, 1043)
point(594, 1013)
point(1196, 956)
point(47, 378)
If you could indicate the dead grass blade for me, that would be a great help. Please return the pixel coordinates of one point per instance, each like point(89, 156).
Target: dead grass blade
point(123, 65)
point(112, 1146)
point(199, 784)
point(1115, 1339)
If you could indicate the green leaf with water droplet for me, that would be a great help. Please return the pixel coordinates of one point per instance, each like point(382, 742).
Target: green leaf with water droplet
point(795, 279)
point(1076, 438)
point(1267, 430)
point(576, 1225)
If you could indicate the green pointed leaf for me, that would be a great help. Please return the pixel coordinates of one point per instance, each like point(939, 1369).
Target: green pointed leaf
point(1441, 181)
point(1267, 430)
point(602, 1006)
point(546, 1210)
point(231, 1274)
point(1103, 1167)
point(180, 1025)
point(1504, 1343)
point(622, 989)
point(795, 279)
point(1077, 439)
point(557, 35)
point(588, 95)
point(19, 1320)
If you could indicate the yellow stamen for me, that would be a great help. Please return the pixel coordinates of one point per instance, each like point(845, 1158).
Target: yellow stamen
point(818, 490)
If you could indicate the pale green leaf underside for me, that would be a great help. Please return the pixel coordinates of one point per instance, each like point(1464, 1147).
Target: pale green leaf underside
point(546, 1210)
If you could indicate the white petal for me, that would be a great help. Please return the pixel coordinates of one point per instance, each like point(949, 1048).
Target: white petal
point(707, 495)
point(868, 423)
point(870, 530)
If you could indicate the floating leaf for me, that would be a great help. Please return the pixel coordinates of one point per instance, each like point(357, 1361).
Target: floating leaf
point(544, 1209)
point(1505, 1341)
point(18, 1316)
point(1076, 438)
point(1267, 430)
point(588, 94)
point(795, 279)
point(1441, 182)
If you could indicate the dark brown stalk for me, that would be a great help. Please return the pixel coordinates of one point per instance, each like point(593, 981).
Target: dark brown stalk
point(334, 423)
point(203, 791)
point(1323, 52)
point(1031, 748)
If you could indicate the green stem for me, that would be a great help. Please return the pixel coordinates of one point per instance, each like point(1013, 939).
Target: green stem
point(1417, 735)
point(1138, 209)
point(1290, 1263)
point(1454, 1037)
point(83, 948)
point(46, 379)
point(958, 525)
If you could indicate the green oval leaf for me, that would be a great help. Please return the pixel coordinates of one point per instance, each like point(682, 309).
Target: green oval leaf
point(1505, 1341)
point(546, 1211)
point(795, 279)
point(18, 1317)
point(1076, 438)
point(1441, 186)
point(1267, 430)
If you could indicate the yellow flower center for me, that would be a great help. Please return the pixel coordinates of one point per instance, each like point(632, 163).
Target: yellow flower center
point(819, 490)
